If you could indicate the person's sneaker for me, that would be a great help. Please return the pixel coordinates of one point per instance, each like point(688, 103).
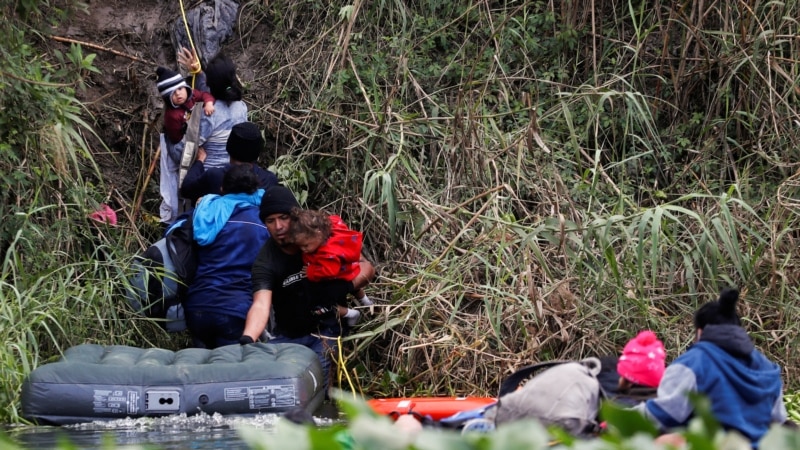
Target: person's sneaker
point(365, 301)
point(352, 317)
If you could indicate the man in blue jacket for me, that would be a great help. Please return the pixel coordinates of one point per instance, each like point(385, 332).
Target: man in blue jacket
point(743, 386)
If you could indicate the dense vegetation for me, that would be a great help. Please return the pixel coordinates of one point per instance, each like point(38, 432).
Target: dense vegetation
point(536, 180)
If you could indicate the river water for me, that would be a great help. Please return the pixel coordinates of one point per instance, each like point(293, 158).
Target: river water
point(201, 431)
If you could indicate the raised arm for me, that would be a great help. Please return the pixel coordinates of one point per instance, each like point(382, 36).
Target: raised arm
point(189, 60)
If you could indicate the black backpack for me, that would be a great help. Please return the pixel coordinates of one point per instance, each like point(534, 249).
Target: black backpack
point(162, 275)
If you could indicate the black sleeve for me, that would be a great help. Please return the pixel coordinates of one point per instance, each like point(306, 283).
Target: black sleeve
point(266, 178)
point(192, 187)
point(262, 273)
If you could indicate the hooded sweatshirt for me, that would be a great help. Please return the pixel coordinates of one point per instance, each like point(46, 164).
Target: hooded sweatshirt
point(336, 258)
point(229, 234)
point(743, 386)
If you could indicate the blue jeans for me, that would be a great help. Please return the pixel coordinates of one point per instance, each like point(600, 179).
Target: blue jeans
point(212, 330)
point(321, 346)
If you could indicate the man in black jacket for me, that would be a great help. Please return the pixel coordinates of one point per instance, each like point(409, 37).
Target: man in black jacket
point(306, 313)
point(244, 146)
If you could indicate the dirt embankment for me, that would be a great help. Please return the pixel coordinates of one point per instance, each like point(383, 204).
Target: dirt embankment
point(131, 38)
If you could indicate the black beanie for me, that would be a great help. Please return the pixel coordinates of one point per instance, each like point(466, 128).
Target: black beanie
point(277, 199)
point(168, 81)
point(720, 312)
point(245, 142)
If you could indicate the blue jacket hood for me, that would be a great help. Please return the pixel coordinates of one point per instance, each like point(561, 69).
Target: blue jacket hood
point(213, 211)
point(753, 377)
point(743, 387)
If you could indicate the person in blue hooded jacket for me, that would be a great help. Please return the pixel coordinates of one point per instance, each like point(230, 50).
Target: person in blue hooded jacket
point(229, 235)
point(743, 386)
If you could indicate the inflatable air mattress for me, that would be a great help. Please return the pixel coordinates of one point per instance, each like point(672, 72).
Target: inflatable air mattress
point(95, 382)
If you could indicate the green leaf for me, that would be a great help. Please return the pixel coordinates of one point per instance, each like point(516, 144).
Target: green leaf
point(624, 422)
point(346, 12)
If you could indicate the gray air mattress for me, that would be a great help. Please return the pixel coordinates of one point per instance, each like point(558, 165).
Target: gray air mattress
point(95, 382)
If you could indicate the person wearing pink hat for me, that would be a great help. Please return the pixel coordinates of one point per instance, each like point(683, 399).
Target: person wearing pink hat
point(642, 362)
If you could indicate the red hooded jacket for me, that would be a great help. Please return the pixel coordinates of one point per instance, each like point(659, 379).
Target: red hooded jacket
point(338, 257)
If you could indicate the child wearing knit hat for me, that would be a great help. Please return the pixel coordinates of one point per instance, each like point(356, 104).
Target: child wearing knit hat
point(642, 362)
point(179, 99)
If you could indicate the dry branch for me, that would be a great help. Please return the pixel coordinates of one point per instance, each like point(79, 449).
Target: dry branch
point(101, 48)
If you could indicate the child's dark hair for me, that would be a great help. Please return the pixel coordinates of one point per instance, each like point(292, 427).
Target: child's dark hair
point(222, 80)
point(239, 179)
point(310, 222)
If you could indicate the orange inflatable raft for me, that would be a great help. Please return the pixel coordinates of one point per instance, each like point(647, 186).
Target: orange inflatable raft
point(436, 408)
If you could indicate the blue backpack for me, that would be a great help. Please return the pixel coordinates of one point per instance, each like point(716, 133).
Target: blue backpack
point(162, 274)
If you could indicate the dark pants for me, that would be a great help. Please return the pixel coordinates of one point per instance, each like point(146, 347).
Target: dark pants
point(323, 345)
point(212, 330)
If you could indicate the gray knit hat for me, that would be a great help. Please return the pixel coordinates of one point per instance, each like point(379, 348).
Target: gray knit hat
point(168, 81)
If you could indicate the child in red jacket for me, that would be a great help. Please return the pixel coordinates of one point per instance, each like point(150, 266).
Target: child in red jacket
point(179, 99)
point(330, 251)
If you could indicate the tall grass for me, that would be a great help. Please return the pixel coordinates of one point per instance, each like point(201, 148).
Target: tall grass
point(60, 272)
point(542, 180)
point(61, 285)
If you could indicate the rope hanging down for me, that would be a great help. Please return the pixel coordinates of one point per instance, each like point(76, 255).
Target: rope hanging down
point(194, 72)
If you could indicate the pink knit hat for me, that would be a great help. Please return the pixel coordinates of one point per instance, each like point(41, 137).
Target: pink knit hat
point(642, 360)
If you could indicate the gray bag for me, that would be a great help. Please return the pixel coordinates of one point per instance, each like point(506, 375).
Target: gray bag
point(191, 138)
point(211, 23)
point(162, 275)
point(566, 394)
